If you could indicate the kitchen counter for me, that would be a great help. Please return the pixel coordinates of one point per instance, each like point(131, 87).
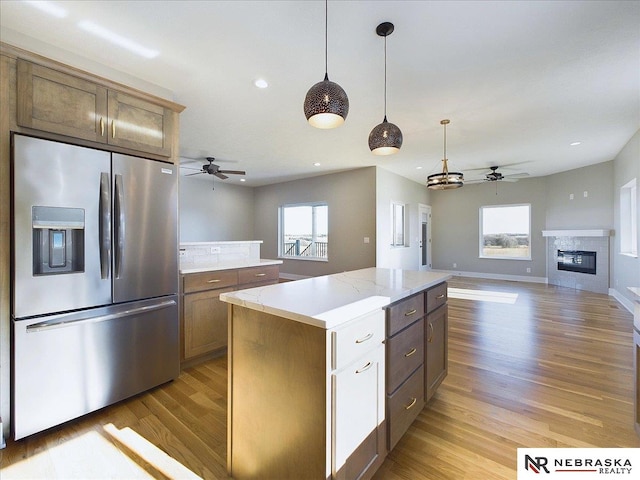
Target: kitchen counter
point(227, 265)
point(329, 300)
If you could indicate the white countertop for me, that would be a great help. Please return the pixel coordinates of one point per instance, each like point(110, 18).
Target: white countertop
point(330, 300)
point(210, 267)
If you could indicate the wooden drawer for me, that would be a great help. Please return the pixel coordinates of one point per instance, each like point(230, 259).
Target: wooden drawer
point(436, 297)
point(356, 338)
point(404, 313)
point(404, 406)
point(196, 282)
point(268, 273)
point(405, 353)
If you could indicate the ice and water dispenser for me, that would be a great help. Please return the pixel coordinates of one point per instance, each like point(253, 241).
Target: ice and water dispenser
point(58, 240)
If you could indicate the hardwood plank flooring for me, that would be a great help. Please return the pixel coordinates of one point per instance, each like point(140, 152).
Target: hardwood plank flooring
point(552, 369)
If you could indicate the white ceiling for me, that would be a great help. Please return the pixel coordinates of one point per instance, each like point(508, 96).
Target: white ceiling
point(519, 80)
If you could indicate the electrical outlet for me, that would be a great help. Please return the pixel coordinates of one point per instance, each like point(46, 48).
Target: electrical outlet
point(528, 269)
point(215, 250)
point(455, 265)
point(571, 196)
point(183, 253)
point(366, 239)
point(585, 194)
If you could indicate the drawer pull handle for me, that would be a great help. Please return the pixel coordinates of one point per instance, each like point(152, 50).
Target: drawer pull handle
point(365, 338)
point(410, 312)
point(430, 339)
point(215, 280)
point(260, 274)
point(440, 297)
point(411, 352)
point(413, 402)
point(365, 368)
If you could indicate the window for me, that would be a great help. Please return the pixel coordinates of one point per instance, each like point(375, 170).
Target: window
point(629, 219)
point(397, 224)
point(304, 231)
point(505, 232)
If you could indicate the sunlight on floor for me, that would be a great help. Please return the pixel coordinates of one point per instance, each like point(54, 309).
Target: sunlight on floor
point(93, 456)
point(482, 295)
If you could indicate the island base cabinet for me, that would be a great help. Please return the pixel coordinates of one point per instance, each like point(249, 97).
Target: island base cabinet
point(436, 340)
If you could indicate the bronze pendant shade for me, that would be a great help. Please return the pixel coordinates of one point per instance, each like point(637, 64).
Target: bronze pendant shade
point(326, 104)
point(446, 180)
point(386, 137)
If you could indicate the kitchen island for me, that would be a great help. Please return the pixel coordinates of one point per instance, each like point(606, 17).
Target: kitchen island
point(309, 395)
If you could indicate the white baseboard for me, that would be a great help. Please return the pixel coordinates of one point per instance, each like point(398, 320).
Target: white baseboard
point(495, 276)
point(624, 301)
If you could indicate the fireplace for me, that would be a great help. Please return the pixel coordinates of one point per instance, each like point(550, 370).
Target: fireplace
point(580, 261)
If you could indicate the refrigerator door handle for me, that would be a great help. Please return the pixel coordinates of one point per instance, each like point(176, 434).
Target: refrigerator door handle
point(119, 225)
point(39, 327)
point(105, 225)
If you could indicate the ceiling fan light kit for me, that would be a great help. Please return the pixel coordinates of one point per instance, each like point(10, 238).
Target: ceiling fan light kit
point(326, 104)
point(386, 137)
point(445, 180)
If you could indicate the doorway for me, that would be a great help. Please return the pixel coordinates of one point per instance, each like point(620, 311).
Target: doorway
point(424, 222)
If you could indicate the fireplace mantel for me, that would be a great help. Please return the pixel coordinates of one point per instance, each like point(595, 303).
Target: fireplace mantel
point(576, 233)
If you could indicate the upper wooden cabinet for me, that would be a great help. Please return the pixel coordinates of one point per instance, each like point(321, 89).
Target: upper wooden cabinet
point(57, 102)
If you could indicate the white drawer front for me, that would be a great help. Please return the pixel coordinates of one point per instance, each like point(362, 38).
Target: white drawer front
point(356, 338)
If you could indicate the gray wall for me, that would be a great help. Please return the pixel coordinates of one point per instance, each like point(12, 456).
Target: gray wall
point(626, 270)
point(394, 188)
point(455, 227)
point(351, 197)
point(207, 215)
point(593, 211)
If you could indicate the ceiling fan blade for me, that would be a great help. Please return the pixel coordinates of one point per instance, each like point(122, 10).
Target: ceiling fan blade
point(476, 180)
point(191, 174)
point(220, 175)
point(234, 172)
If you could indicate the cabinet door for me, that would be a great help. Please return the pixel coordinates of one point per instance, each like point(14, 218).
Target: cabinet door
point(56, 102)
point(436, 350)
point(205, 322)
point(138, 124)
point(358, 407)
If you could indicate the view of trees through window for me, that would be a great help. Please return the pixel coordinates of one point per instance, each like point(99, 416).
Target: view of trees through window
point(505, 231)
point(304, 231)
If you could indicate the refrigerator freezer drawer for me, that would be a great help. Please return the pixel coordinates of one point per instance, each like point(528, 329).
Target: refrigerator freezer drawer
point(68, 365)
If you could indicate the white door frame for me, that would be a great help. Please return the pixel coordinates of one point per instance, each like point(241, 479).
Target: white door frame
point(424, 216)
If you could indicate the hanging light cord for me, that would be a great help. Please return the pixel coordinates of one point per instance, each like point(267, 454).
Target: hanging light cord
point(326, 34)
point(445, 168)
point(385, 78)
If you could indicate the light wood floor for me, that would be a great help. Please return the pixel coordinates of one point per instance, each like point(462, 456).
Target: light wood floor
point(553, 369)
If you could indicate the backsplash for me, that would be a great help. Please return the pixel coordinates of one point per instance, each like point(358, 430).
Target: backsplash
point(194, 254)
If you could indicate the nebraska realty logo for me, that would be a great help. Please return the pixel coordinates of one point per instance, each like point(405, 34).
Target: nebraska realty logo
point(578, 463)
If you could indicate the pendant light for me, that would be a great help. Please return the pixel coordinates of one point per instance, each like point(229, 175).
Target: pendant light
point(446, 180)
point(326, 104)
point(385, 138)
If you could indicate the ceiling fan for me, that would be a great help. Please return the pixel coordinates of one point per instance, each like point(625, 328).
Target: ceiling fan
point(213, 169)
point(494, 176)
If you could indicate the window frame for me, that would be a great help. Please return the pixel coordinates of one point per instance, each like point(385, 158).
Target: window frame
point(481, 233)
point(281, 232)
point(393, 218)
point(629, 219)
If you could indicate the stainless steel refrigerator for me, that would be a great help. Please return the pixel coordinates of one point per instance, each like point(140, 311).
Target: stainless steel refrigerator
point(95, 280)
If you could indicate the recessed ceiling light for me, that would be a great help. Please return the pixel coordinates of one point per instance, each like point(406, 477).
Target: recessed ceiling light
point(261, 83)
point(418, 168)
point(243, 179)
point(49, 8)
point(317, 164)
point(574, 144)
point(116, 39)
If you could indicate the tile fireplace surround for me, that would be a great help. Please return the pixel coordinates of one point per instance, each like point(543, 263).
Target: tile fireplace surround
point(595, 240)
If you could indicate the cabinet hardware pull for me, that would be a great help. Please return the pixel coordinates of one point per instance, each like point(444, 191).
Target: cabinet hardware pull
point(102, 126)
point(413, 402)
point(113, 128)
point(365, 368)
point(430, 339)
point(411, 352)
point(440, 297)
point(215, 280)
point(410, 312)
point(260, 274)
point(365, 338)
